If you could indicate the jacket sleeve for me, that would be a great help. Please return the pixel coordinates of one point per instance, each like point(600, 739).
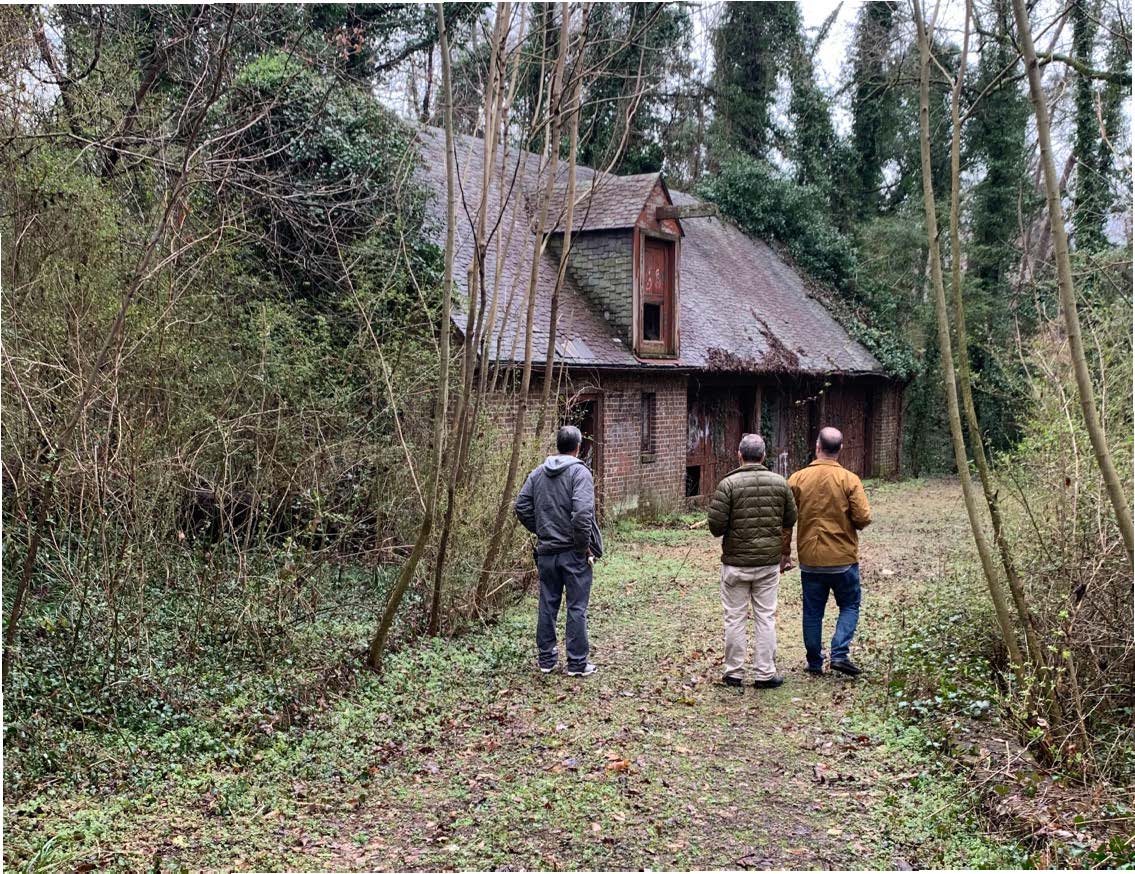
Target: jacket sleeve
point(596, 546)
point(526, 506)
point(720, 509)
point(788, 520)
point(794, 487)
point(582, 507)
point(860, 510)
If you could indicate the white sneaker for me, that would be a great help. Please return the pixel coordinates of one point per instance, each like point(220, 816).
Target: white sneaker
point(586, 671)
point(544, 670)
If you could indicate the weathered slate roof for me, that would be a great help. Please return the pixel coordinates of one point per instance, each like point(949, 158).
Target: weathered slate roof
point(603, 201)
point(743, 308)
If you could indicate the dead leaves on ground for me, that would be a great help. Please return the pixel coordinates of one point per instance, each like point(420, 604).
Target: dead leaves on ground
point(825, 775)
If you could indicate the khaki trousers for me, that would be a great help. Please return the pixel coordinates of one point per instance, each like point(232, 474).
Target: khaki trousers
point(742, 587)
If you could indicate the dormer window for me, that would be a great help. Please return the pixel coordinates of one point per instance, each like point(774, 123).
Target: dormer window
point(657, 297)
point(625, 257)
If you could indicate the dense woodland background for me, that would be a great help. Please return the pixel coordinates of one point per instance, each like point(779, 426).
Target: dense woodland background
point(221, 299)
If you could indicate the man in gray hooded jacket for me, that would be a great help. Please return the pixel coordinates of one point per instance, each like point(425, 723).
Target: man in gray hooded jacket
point(557, 504)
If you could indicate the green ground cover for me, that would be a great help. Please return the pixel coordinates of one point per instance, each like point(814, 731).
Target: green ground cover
point(461, 755)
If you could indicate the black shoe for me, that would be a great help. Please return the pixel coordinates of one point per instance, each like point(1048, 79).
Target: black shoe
point(815, 672)
point(732, 681)
point(847, 667)
point(770, 683)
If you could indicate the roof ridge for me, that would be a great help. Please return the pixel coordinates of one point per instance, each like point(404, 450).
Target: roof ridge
point(725, 274)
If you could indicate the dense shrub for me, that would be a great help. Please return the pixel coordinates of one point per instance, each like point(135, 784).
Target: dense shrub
point(1072, 556)
point(245, 471)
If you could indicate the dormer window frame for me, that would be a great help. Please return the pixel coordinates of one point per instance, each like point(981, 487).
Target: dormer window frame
point(668, 345)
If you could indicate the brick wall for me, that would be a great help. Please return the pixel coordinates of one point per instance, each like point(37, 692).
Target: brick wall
point(601, 264)
point(634, 479)
point(630, 479)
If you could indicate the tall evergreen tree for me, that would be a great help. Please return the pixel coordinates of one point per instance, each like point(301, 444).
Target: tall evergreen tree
point(752, 45)
point(1090, 189)
point(872, 105)
point(814, 142)
point(996, 144)
point(639, 45)
point(1111, 117)
point(884, 171)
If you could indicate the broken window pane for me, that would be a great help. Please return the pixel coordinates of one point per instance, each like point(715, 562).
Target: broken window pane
point(652, 321)
point(648, 412)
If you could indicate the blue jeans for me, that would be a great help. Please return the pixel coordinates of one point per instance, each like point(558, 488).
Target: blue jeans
point(571, 572)
point(845, 587)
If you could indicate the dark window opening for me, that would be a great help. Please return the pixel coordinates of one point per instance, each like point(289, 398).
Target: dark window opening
point(583, 415)
point(652, 321)
point(693, 482)
point(649, 408)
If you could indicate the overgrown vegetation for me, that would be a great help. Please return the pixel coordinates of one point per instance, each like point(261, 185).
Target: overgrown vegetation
point(231, 418)
point(767, 205)
point(457, 755)
point(1071, 551)
point(221, 297)
point(1070, 731)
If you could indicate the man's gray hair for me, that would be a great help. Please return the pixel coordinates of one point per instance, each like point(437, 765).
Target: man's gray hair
point(752, 447)
point(568, 439)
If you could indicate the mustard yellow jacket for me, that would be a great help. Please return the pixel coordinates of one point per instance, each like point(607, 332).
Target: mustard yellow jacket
point(832, 509)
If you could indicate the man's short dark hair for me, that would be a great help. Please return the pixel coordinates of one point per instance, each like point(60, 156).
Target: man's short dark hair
point(831, 440)
point(568, 439)
point(752, 447)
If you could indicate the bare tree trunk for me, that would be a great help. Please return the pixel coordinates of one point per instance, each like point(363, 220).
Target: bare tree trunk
point(466, 408)
point(447, 293)
point(441, 400)
point(1067, 289)
point(1008, 634)
point(552, 139)
point(964, 381)
point(569, 217)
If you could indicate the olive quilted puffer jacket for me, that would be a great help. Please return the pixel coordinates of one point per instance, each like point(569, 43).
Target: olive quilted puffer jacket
point(751, 510)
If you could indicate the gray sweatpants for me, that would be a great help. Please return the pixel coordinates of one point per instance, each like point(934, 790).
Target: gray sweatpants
point(563, 572)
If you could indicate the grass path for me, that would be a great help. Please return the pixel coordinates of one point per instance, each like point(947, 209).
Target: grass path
point(462, 755)
point(652, 763)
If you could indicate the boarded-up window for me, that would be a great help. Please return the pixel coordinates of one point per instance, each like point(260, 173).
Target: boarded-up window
point(649, 411)
point(658, 313)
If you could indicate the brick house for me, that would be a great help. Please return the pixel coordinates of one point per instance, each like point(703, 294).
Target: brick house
point(676, 331)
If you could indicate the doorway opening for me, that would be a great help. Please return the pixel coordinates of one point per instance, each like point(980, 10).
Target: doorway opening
point(693, 481)
point(586, 413)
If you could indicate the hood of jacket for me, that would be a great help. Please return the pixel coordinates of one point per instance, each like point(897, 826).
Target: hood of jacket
point(554, 465)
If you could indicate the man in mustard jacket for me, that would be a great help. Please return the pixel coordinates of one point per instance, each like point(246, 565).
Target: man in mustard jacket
point(832, 509)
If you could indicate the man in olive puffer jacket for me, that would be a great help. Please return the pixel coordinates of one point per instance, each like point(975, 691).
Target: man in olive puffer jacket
point(753, 511)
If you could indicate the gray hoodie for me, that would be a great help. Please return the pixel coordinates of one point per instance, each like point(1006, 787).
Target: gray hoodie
point(557, 504)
